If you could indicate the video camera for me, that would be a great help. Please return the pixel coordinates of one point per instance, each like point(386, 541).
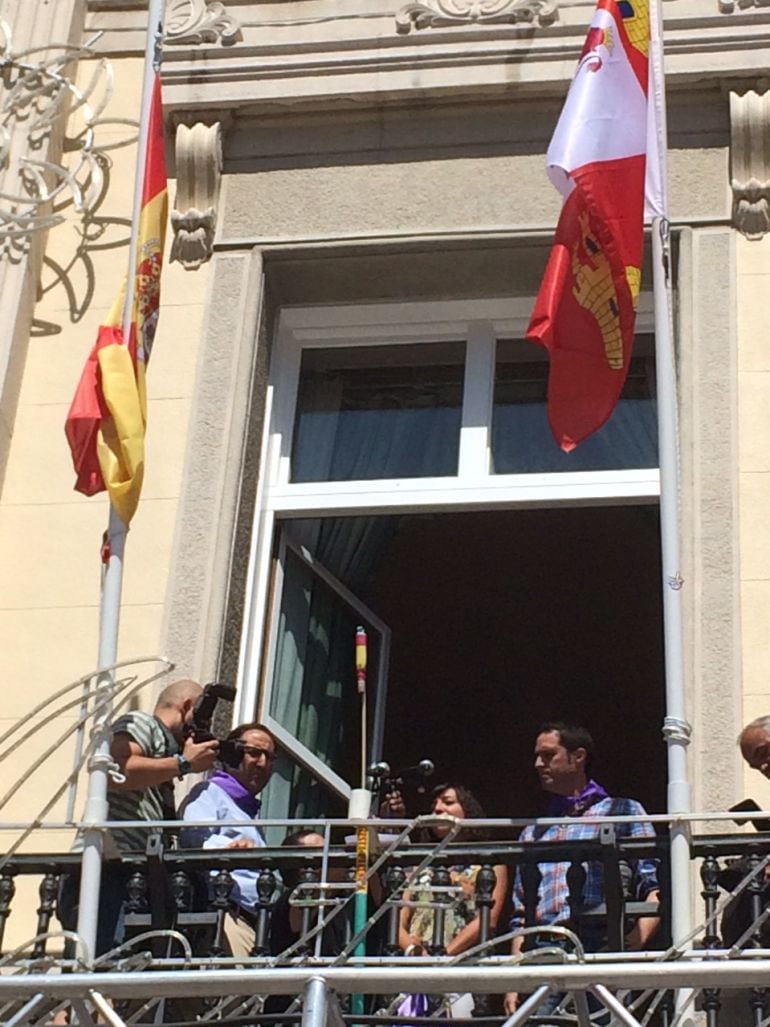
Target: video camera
point(199, 728)
point(385, 780)
point(749, 806)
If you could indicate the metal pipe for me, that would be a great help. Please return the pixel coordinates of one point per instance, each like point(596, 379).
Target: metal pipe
point(314, 1000)
point(529, 1006)
point(394, 979)
point(112, 582)
point(615, 1006)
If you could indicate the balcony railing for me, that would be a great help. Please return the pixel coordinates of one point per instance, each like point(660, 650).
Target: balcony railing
point(177, 901)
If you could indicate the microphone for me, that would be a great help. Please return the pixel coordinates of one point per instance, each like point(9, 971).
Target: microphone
point(422, 769)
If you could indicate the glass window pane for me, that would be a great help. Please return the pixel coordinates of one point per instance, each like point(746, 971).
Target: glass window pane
point(371, 412)
point(521, 436)
point(314, 693)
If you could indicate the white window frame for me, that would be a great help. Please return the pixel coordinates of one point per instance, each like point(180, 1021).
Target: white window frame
point(480, 323)
point(376, 685)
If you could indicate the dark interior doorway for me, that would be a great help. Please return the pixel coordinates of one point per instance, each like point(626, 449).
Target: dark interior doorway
point(503, 620)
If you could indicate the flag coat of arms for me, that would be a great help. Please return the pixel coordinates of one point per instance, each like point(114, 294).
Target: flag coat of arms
point(106, 423)
point(598, 159)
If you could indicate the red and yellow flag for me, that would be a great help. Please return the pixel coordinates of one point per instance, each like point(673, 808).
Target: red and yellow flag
point(585, 311)
point(106, 423)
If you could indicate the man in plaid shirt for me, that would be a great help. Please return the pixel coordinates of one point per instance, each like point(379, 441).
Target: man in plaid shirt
point(563, 755)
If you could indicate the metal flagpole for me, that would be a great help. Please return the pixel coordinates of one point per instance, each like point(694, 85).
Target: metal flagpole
point(112, 575)
point(676, 729)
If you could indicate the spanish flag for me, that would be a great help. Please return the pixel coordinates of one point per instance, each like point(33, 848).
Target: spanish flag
point(107, 419)
point(604, 160)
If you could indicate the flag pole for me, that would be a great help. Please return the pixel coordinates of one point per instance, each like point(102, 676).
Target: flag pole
point(676, 728)
point(112, 573)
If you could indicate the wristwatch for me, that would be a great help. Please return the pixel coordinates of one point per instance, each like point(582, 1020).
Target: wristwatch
point(184, 764)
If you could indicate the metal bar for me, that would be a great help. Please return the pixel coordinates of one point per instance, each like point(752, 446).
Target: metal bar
point(105, 1009)
point(532, 1003)
point(112, 582)
point(314, 999)
point(22, 1015)
point(394, 979)
point(615, 1006)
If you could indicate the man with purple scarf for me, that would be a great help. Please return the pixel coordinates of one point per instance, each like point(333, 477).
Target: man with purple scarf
point(230, 795)
point(563, 754)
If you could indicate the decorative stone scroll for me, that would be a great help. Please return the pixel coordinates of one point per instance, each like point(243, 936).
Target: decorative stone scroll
point(750, 162)
point(433, 13)
point(199, 173)
point(199, 21)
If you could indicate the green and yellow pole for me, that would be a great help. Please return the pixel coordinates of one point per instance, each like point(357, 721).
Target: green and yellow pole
point(361, 908)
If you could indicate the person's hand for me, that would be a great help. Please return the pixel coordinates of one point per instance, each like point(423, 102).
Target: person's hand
point(511, 1002)
point(200, 755)
point(414, 946)
point(241, 843)
point(393, 805)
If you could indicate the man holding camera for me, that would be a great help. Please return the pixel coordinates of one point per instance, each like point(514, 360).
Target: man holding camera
point(230, 796)
point(150, 751)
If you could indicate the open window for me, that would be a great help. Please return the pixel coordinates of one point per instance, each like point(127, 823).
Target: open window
point(311, 701)
point(410, 432)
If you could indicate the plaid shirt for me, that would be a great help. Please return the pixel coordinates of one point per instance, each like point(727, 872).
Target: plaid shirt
point(552, 904)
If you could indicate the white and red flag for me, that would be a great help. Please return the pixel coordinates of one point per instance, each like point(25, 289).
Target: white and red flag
point(605, 144)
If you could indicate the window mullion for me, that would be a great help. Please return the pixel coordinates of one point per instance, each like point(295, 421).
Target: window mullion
point(477, 401)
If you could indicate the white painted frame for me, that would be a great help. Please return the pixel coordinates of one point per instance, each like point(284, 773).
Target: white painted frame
point(480, 323)
point(377, 690)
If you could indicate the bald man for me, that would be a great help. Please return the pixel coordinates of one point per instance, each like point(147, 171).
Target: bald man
point(151, 750)
point(754, 741)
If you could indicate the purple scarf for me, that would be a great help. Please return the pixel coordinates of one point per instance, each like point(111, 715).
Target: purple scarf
point(241, 796)
point(576, 805)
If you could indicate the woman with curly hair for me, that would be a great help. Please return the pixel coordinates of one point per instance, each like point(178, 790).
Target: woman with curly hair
point(461, 922)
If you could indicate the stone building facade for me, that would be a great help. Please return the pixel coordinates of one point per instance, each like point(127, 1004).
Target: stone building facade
point(359, 204)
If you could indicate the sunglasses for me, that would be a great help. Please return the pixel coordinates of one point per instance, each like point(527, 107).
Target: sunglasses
point(255, 753)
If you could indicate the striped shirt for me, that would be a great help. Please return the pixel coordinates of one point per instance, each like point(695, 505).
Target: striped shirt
point(153, 803)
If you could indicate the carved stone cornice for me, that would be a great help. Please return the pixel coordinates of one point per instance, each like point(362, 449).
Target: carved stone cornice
point(199, 21)
point(434, 13)
point(198, 177)
point(728, 6)
point(750, 162)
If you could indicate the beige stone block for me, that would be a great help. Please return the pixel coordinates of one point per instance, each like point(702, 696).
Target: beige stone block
point(755, 616)
point(752, 255)
point(127, 85)
point(165, 447)
point(44, 651)
point(49, 554)
point(37, 761)
point(55, 361)
point(754, 501)
point(182, 288)
point(175, 353)
point(39, 465)
point(754, 420)
point(140, 628)
point(148, 558)
point(753, 321)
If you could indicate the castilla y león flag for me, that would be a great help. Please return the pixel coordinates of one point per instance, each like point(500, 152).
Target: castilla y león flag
point(598, 158)
point(106, 422)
